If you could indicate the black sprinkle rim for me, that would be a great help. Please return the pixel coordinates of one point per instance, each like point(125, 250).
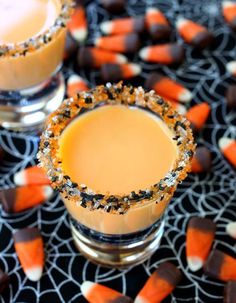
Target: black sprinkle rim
point(114, 94)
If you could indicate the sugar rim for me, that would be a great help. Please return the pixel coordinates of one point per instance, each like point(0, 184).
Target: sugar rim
point(35, 43)
point(114, 94)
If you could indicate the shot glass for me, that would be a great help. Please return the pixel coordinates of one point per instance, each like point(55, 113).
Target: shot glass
point(111, 230)
point(31, 82)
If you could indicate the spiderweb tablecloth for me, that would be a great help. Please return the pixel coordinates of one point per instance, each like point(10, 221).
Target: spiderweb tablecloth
point(212, 195)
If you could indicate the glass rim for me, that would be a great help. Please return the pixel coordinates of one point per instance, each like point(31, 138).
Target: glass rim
point(115, 94)
point(38, 41)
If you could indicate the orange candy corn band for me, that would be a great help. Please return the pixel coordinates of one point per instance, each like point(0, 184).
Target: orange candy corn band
point(199, 238)
point(125, 95)
point(95, 57)
point(160, 284)
point(168, 88)
point(157, 24)
point(189, 30)
point(29, 248)
point(156, 17)
point(221, 266)
point(229, 12)
point(165, 54)
point(194, 33)
point(33, 175)
point(20, 198)
point(230, 153)
point(123, 26)
point(198, 115)
point(77, 24)
point(123, 43)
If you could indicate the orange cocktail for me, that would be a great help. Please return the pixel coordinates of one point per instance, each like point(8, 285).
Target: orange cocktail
point(116, 154)
point(32, 38)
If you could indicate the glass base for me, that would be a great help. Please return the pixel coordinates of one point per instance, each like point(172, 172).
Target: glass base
point(26, 110)
point(119, 251)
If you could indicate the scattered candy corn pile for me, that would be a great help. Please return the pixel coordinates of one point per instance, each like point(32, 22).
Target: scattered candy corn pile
point(119, 40)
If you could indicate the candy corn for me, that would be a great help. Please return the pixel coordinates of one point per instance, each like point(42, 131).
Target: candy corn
point(20, 198)
point(29, 248)
point(180, 108)
point(163, 54)
point(114, 72)
point(201, 161)
point(231, 96)
point(4, 281)
point(230, 292)
point(124, 43)
point(123, 26)
point(168, 88)
point(229, 13)
point(231, 68)
point(114, 6)
point(231, 229)
point(228, 149)
point(75, 84)
point(33, 175)
point(70, 47)
point(194, 33)
point(198, 115)
point(94, 57)
point(160, 284)
point(157, 24)
point(221, 266)
point(77, 25)
point(96, 293)
point(199, 238)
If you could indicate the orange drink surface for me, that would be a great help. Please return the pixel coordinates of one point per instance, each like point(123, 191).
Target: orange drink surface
point(20, 21)
point(117, 149)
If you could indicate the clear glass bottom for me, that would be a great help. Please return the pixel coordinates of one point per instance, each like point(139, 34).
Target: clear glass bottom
point(119, 251)
point(27, 109)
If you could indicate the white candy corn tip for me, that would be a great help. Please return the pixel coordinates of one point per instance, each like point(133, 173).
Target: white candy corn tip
point(194, 263)
point(231, 229)
point(152, 10)
point(48, 191)
point(19, 178)
point(136, 69)
point(121, 59)
point(186, 96)
point(227, 3)
point(34, 273)
point(139, 299)
point(181, 109)
point(106, 27)
point(97, 41)
point(231, 67)
point(86, 288)
point(181, 22)
point(74, 79)
point(224, 142)
point(79, 34)
point(143, 53)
